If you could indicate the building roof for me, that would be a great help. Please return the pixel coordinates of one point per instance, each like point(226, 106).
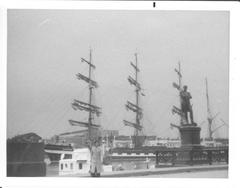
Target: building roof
point(26, 138)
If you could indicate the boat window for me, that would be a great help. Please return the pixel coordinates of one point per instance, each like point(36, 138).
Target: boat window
point(68, 156)
point(71, 166)
point(80, 165)
point(61, 166)
point(66, 165)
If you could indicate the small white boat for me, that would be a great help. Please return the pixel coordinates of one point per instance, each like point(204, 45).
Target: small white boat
point(78, 162)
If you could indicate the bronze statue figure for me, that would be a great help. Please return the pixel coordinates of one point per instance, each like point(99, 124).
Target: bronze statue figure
point(186, 105)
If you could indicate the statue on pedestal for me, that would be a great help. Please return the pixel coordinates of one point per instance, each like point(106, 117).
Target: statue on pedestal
point(186, 106)
point(188, 129)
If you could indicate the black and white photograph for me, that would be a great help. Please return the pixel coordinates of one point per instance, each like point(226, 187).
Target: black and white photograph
point(118, 93)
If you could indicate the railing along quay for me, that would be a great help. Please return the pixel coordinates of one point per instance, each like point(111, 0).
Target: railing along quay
point(192, 156)
point(175, 156)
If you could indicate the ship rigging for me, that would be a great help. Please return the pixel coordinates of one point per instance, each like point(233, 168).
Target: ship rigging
point(135, 107)
point(93, 110)
point(210, 117)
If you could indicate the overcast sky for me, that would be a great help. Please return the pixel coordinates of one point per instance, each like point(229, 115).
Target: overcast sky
point(44, 51)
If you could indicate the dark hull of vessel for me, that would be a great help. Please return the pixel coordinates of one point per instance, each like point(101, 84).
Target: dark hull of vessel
point(25, 160)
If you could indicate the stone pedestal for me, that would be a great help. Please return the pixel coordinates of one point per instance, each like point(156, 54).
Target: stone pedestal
point(190, 136)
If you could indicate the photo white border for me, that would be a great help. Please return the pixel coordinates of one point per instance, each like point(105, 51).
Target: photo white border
point(234, 131)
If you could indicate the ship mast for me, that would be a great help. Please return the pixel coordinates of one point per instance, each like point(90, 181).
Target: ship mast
point(135, 107)
point(88, 107)
point(177, 110)
point(210, 118)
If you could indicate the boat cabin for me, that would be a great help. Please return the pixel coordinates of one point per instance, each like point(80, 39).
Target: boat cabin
point(76, 162)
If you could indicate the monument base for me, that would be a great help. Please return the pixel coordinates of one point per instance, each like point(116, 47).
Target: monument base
point(190, 136)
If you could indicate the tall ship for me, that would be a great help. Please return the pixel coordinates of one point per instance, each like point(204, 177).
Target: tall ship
point(210, 141)
point(78, 160)
point(75, 157)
